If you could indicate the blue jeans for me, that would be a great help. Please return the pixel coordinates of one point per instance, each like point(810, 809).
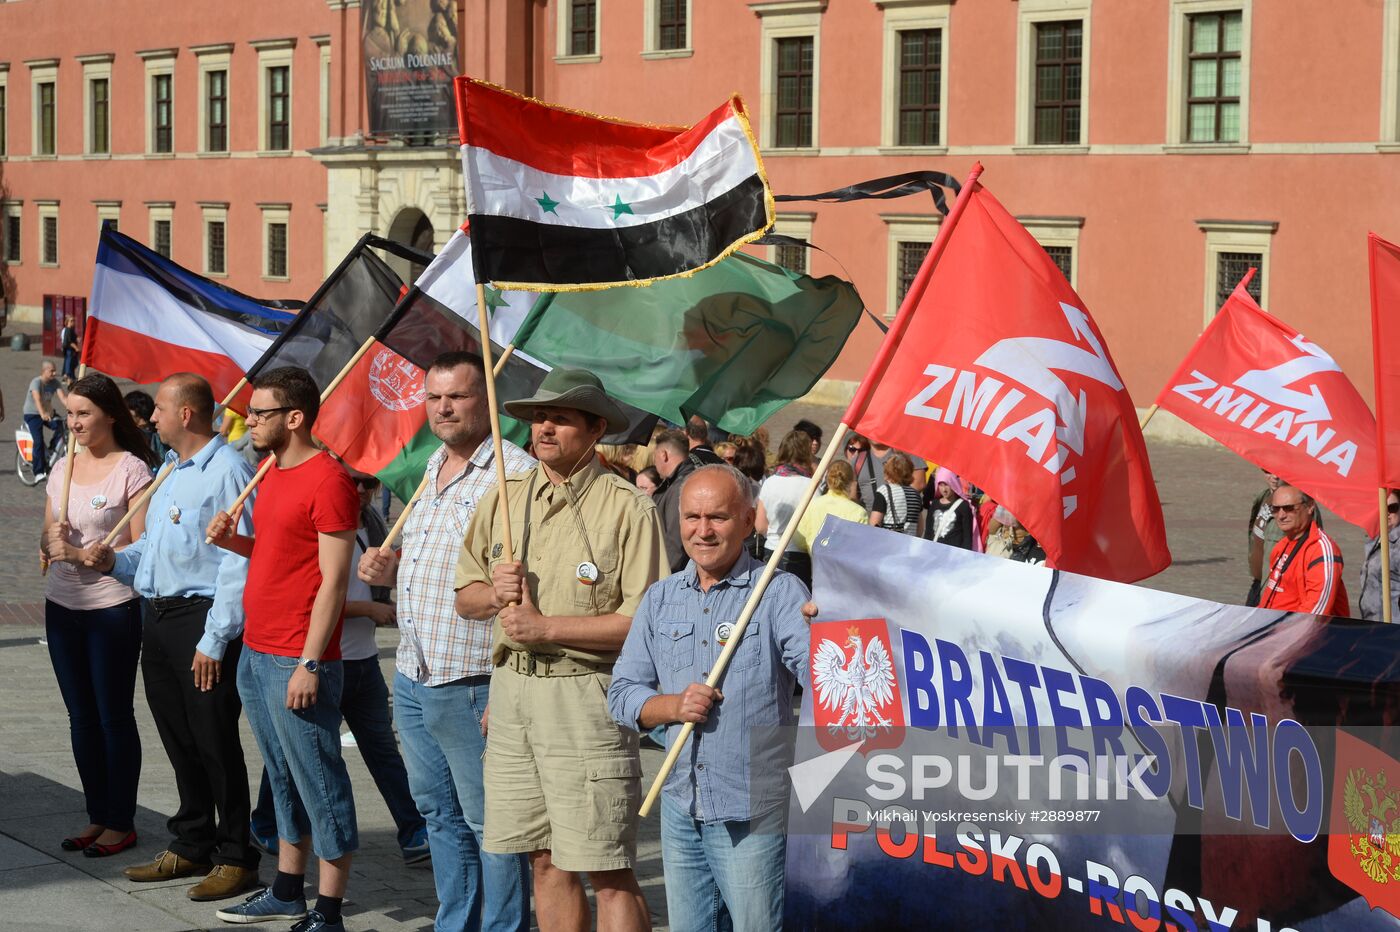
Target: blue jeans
point(364, 703)
point(440, 727)
point(36, 425)
point(301, 752)
point(94, 654)
point(721, 876)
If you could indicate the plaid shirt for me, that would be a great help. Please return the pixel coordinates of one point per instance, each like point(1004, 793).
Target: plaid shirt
point(436, 646)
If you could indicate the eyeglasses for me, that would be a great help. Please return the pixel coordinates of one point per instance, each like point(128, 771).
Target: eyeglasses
point(853, 448)
point(1393, 507)
point(1288, 509)
point(257, 414)
point(367, 482)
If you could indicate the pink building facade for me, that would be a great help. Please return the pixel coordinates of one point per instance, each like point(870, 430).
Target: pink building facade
point(1156, 148)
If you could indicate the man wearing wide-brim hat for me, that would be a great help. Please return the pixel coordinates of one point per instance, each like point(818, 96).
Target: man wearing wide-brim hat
point(562, 778)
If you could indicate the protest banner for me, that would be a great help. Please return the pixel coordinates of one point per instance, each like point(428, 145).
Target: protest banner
point(990, 745)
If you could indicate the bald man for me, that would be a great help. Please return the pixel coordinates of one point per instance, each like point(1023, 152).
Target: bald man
point(721, 808)
point(192, 605)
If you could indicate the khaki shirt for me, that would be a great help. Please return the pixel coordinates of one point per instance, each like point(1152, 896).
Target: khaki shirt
point(622, 532)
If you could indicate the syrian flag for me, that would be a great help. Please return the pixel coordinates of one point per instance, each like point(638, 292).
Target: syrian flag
point(560, 200)
point(150, 317)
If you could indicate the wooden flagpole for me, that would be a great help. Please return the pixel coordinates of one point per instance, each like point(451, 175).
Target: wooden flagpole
point(267, 463)
point(1147, 416)
point(164, 474)
point(1385, 556)
point(422, 486)
point(750, 606)
point(503, 502)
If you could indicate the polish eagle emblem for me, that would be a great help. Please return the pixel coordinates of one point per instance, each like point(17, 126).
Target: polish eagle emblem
point(856, 687)
point(1366, 802)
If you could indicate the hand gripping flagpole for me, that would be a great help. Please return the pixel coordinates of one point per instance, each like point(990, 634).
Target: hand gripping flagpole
point(325, 393)
point(882, 358)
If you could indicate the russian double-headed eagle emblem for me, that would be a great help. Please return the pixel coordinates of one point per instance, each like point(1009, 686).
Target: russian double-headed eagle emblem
point(1366, 802)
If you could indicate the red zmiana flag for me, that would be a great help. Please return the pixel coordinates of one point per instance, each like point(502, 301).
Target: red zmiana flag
point(1262, 389)
point(1385, 332)
point(994, 368)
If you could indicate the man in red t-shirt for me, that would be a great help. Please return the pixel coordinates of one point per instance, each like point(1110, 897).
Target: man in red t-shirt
point(290, 676)
point(1306, 565)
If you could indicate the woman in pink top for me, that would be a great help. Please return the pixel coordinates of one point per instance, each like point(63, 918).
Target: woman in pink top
point(93, 622)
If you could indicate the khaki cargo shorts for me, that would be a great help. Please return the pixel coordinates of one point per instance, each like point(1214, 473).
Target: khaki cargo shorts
point(560, 774)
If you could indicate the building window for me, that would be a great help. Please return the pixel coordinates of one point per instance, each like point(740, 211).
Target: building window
point(794, 85)
point(160, 237)
point(583, 27)
point(1059, 49)
point(920, 86)
point(670, 24)
point(47, 119)
point(1214, 69)
point(163, 113)
point(48, 248)
point(216, 111)
point(12, 237)
point(99, 104)
point(4, 123)
point(1230, 267)
point(276, 250)
point(909, 258)
point(1063, 257)
point(279, 108)
point(214, 258)
point(793, 258)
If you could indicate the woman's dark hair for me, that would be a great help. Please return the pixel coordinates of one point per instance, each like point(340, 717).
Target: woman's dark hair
point(651, 473)
point(796, 450)
point(140, 404)
point(750, 461)
point(810, 429)
point(104, 393)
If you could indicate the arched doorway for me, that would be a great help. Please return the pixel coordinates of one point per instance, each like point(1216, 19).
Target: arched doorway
point(412, 228)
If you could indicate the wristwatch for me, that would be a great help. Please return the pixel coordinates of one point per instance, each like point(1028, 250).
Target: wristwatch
point(312, 666)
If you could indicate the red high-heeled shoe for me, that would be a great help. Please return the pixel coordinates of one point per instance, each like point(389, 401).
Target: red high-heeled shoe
point(106, 851)
point(79, 842)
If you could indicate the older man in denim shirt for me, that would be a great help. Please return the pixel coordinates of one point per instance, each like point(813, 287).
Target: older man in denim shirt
point(721, 810)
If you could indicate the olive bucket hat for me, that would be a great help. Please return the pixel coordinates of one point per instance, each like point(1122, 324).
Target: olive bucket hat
point(570, 388)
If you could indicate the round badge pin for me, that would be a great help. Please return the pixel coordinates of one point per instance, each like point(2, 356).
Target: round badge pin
point(496, 552)
point(174, 514)
point(722, 632)
point(99, 501)
point(587, 573)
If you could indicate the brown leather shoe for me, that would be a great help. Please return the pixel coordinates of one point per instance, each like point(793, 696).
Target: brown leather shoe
point(224, 881)
point(167, 866)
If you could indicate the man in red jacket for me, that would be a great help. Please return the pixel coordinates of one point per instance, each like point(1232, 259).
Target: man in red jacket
point(1306, 565)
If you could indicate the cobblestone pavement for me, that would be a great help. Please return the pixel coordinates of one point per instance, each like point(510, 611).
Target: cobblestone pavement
point(1205, 492)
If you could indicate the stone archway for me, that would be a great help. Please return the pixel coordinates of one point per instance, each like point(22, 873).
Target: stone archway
point(411, 227)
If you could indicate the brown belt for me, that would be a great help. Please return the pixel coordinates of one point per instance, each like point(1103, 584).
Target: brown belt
point(529, 663)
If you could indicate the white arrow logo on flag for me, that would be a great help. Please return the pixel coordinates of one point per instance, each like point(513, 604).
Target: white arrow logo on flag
point(1272, 384)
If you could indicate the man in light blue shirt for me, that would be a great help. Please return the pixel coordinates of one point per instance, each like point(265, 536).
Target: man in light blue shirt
point(722, 841)
point(192, 632)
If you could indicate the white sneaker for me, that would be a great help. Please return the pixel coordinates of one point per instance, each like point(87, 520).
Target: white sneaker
point(347, 740)
point(40, 476)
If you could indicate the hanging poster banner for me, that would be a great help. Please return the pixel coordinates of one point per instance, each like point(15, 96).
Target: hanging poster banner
point(410, 56)
point(991, 745)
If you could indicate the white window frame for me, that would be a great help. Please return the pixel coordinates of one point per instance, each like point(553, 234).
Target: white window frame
point(904, 228)
point(788, 19)
point(1390, 75)
point(217, 57)
point(563, 14)
point(651, 32)
point(276, 53)
point(11, 209)
point(323, 72)
point(1236, 236)
point(798, 224)
point(49, 209)
point(43, 71)
point(160, 210)
point(1030, 14)
point(1057, 231)
point(108, 210)
point(159, 62)
point(213, 212)
point(907, 16)
point(1178, 50)
point(96, 68)
point(9, 104)
point(274, 213)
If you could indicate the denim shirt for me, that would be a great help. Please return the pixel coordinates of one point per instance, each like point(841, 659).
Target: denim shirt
point(672, 643)
point(171, 557)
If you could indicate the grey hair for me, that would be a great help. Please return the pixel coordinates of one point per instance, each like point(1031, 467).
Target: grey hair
point(744, 484)
point(1307, 499)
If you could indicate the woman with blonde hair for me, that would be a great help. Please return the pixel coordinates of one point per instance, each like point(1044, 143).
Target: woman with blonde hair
point(838, 500)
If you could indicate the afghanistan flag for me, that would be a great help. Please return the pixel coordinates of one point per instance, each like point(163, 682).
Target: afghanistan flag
point(560, 200)
point(732, 343)
point(151, 317)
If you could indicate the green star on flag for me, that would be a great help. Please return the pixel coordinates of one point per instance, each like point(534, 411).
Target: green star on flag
point(494, 299)
point(547, 204)
point(619, 208)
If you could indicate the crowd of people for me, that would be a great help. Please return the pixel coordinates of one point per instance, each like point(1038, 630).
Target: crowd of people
point(534, 656)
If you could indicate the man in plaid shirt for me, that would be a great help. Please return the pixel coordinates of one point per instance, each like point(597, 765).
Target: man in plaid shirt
point(444, 662)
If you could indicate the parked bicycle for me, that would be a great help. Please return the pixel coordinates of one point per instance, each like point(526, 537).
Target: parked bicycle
point(24, 453)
